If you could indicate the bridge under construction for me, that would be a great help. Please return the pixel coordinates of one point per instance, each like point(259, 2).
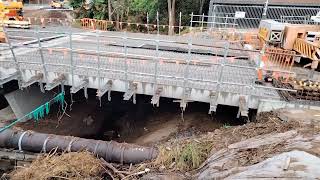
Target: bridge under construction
point(185, 68)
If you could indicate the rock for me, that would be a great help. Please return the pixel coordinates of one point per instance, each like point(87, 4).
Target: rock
point(162, 168)
point(217, 131)
point(172, 165)
point(88, 120)
point(163, 176)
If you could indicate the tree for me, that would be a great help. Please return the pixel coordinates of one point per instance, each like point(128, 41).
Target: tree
point(201, 6)
point(142, 7)
point(172, 15)
point(135, 11)
point(120, 11)
point(109, 10)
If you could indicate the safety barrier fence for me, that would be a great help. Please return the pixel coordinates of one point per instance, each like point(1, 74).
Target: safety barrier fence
point(105, 25)
point(41, 21)
point(254, 13)
point(283, 59)
point(230, 34)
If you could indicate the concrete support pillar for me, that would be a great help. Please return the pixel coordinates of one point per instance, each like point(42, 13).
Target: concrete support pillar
point(25, 101)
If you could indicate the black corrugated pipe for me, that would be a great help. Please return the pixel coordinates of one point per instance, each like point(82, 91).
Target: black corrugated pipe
point(109, 150)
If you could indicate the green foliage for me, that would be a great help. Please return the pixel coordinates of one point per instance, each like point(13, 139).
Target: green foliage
point(226, 125)
point(135, 11)
point(185, 156)
point(76, 3)
point(141, 7)
point(190, 157)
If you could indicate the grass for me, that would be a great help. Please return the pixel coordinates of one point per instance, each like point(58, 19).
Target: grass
point(184, 156)
point(226, 125)
point(73, 165)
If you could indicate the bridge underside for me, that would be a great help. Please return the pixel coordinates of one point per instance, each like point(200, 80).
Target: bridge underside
point(183, 68)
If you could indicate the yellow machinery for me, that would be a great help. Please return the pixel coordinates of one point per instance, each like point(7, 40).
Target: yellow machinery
point(271, 32)
point(56, 4)
point(11, 15)
point(2, 35)
point(301, 38)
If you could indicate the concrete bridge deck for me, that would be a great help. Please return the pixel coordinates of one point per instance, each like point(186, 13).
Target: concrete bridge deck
point(179, 67)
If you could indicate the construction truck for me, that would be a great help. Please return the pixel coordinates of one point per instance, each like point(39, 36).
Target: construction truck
point(11, 15)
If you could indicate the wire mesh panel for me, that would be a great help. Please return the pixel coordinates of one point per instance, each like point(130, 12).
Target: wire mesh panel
point(6, 59)
point(219, 13)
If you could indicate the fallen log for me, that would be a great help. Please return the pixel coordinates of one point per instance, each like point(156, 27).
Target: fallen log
point(16, 155)
point(111, 151)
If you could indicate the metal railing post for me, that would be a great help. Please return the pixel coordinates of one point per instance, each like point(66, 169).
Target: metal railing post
point(202, 22)
point(73, 66)
point(148, 22)
point(191, 21)
point(11, 49)
point(125, 56)
point(186, 71)
point(180, 14)
point(234, 22)
point(169, 25)
point(99, 60)
point(158, 28)
point(214, 16)
point(156, 65)
point(226, 21)
point(71, 59)
point(17, 66)
point(265, 9)
point(45, 73)
point(305, 20)
point(222, 64)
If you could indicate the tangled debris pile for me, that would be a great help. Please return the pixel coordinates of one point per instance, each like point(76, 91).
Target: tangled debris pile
point(188, 153)
point(282, 146)
point(279, 144)
point(80, 165)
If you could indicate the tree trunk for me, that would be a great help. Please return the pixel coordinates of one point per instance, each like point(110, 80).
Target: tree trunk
point(109, 10)
point(201, 6)
point(171, 12)
point(118, 21)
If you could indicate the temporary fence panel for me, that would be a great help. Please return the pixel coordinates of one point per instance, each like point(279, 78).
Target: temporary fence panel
point(254, 14)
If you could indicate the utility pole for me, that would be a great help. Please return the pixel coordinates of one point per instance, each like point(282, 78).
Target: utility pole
point(264, 14)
